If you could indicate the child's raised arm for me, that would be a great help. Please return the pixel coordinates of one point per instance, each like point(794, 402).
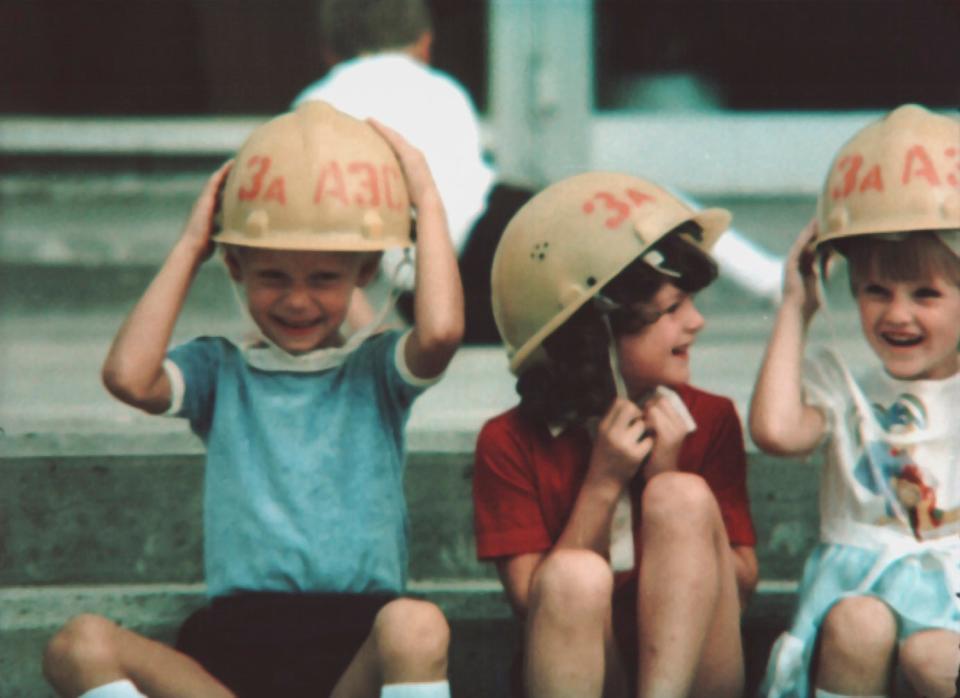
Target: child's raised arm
point(438, 294)
point(780, 421)
point(133, 370)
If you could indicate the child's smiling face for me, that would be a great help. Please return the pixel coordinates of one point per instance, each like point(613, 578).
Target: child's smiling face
point(912, 326)
point(299, 300)
point(654, 339)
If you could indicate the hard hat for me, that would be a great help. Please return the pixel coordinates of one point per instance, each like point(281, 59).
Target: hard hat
point(316, 179)
point(568, 241)
point(898, 174)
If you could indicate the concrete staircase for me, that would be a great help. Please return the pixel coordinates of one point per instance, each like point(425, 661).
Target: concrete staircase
point(120, 535)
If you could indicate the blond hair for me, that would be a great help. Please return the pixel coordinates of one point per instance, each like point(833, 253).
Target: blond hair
point(903, 257)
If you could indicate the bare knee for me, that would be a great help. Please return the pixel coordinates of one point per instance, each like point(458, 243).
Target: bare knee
point(674, 499)
point(85, 645)
point(412, 637)
point(930, 661)
point(572, 582)
point(859, 629)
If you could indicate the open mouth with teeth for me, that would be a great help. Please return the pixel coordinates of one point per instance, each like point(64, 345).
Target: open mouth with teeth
point(901, 340)
point(298, 326)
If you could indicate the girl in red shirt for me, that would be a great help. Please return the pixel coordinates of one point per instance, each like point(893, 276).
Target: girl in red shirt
point(613, 498)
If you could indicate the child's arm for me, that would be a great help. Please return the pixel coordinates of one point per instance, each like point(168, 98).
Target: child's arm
point(780, 421)
point(438, 294)
point(669, 428)
point(133, 370)
point(619, 451)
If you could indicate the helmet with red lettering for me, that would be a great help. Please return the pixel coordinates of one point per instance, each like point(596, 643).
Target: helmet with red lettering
point(315, 179)
point(570, 240)
point(898, 174)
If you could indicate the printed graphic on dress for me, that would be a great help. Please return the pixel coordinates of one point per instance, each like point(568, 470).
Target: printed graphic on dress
point(891, 471)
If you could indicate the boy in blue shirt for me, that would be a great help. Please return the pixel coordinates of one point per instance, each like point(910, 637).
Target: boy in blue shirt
point(305, 524)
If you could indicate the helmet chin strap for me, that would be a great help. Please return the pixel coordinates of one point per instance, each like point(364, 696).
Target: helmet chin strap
point(622, 557)
point(606, 306)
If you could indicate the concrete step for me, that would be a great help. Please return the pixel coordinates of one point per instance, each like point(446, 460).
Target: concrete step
point(137, 519)
point(483, 634)
point(131, 520)
point(81, 215)
point(484, 637)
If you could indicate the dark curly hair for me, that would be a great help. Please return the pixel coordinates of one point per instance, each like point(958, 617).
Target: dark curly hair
point(575, 383)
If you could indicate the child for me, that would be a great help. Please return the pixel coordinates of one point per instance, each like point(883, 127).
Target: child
point(304, 521)
point(593, 294)
point(878, 592)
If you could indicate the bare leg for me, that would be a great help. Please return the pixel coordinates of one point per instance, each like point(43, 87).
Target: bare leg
point(931, 661)
point(689, 610)
point(408, 643)
point(857, 647)
point(91, 651)
point(570, 650)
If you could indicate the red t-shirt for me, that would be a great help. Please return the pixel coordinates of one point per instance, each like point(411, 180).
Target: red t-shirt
point(526, 481)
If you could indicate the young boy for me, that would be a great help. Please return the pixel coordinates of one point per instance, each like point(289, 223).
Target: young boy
point(305, 521)
point(613, 499)
point(878, 599)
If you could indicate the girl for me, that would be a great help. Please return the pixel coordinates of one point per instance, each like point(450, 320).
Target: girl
point(877, 600)
point(614, 508)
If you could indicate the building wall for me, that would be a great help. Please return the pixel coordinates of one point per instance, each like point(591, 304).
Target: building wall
point(72, 57)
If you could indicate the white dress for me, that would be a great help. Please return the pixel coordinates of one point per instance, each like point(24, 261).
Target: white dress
point(889, 509)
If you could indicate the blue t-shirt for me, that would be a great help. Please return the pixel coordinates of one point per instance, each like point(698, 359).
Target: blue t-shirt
point(304, 470)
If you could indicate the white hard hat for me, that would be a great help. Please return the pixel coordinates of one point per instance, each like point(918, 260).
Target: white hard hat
point(570, 240)
point(898, 174)
point(316, 179)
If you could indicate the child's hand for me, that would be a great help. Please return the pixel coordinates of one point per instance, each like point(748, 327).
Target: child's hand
point(199, 227)
point(622, 443)
point(669, 430)
point(420, 184)
point(801, 276)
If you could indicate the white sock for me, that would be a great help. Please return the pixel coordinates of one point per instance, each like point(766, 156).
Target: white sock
point(114, 689)
point(820, 693)
point(434, 689)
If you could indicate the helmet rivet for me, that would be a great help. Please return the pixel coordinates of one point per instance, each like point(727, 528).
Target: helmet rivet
point(258, 222)
point(838, 219)
point(950, 208)
point(373, 225)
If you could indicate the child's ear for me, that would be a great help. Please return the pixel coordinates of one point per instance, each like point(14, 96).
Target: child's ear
point(232, 260)
point(368, 268)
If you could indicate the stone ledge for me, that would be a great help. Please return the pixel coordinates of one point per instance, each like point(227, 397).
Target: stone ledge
point(138, 519)
point(150, 605)
point(484, 635)
point(147, 605)
point(157, 136)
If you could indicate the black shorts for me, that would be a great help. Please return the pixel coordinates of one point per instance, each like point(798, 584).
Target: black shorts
point(264, 645)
